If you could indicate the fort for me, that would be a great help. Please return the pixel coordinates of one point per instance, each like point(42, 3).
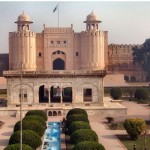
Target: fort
point(62, 69)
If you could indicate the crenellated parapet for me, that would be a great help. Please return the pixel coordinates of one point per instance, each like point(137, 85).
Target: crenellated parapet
point(118, 46)
point(22, 33)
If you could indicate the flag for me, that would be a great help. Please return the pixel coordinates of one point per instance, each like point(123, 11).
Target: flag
point(55, 8)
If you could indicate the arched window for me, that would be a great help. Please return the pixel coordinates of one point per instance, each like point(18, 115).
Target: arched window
point(23, 27)
point(58, 64)
point(27, 27)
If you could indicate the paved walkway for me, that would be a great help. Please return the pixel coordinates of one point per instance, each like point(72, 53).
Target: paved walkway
point(6, 130)
point(106, 137)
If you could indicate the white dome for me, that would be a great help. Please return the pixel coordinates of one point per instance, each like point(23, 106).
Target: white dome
point(92, 17)
point(23, 17)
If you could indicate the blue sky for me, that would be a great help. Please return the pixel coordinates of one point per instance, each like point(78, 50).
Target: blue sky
point(126, 22)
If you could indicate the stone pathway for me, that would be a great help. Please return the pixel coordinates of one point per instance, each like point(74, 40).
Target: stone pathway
point(106, 137)
point(6, 130)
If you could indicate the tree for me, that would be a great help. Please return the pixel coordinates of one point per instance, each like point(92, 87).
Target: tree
point(141, 55)
point(134, 127)
point(88, 145)
point(115, 93)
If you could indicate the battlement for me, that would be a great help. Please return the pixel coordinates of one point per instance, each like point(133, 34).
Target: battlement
point(129, 46)
point(22, 33)
point(93, 32)
point(58, 30)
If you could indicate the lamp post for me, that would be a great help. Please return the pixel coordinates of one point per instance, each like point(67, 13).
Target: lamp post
point(21, 108)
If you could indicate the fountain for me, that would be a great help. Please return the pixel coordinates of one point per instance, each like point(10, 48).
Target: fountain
point(52, 137)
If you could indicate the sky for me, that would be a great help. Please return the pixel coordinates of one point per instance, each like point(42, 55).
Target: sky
point(127, 22)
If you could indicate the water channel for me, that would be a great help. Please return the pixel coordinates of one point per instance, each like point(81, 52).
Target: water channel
point(52, 137)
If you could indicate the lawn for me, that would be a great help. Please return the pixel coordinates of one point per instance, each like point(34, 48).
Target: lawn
point(139, 143)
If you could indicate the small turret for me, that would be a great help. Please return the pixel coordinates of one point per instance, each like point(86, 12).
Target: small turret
point(92, 22)
point(23, 22)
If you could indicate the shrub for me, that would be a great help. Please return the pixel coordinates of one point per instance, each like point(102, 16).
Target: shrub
point(134, 127)
point(37, 112)
point(29, 137)
point(83, 135)
point(76, 111)
point(37, 118)
point(114, 126)
point(76, 117)
point(17, 147)
point(88, 145)
point(76, 125)
point(115, 93)
point(110, 119)
point(30, 125)
point(141, 94)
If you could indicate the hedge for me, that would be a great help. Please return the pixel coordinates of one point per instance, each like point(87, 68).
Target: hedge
point(88, 145)
point(76, 125)
point(30, 125)
point(29, 137)
point(37, 118)
point(37, 112)
point(17, 147)
point(141, 94)
point(83, 135)
point(76, 111)
point(76, 117)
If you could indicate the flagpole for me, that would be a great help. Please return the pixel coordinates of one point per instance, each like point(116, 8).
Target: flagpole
point(58, 15)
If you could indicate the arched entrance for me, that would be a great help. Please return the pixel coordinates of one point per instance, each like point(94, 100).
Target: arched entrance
point(55, 94)
point(67, 94)
point(43, 94)
point(58, 64)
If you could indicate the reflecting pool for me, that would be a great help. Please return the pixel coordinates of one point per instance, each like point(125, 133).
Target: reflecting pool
point(52, 136)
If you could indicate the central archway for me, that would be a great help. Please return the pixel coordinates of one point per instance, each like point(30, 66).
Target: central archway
point(58, 64)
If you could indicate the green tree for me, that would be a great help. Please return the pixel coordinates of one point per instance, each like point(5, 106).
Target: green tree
point(88, 145)
point(29, 137)
point(115, 93)
point(141, 55)
point(134, 127)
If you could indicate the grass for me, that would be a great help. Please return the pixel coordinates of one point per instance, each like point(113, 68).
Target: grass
point(139, 143)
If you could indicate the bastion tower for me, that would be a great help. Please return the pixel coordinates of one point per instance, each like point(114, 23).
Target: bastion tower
point(94, 43)
point(22, 45)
